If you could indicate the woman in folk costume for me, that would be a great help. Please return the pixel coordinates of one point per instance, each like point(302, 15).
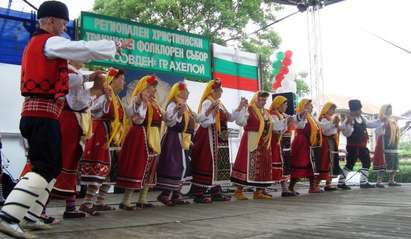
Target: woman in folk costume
point(329, 162)
point(75, 125)
point(108, 120)
point(281, 123)
point(306, 147)
point(210, 154)
point(252, 166)
point(138, 160)
point(386, 155)
point(174, 163)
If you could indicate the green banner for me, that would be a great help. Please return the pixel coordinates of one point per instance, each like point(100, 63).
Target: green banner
point(154, 48)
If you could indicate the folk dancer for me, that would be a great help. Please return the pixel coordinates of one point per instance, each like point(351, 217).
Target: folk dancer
point(329, 123)
point(253, 164)
point(306, 147)
point(354, 127)
point(281, 125)
point(137, 165)
point(174, 166)
point(108, 127)
point(386, 158)
point(211, 156)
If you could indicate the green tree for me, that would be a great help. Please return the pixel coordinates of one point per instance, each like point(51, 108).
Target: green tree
point(302, 87)
point(223, 21)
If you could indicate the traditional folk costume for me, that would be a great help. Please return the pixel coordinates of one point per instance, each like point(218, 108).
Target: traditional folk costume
point(329, 147)
point(44, 80)
point(75, 123)
point(138, 160)
point(305, 148)
point(253, 164)
point(357, 139)
point(174, 166)
point(280, 128)
point(386, 155)
point(95, 166)
point(210, 154)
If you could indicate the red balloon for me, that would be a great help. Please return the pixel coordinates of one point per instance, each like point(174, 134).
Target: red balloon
point(288, 54)
point(284, 70)
point(286, 62)
point(279, 77)
point(276, 85)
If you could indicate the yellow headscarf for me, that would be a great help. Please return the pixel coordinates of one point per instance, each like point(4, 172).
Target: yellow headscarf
point(176, 89)
point(327, 106)
point(315, 130)
point(260, 117)
point(394, 129)
point(117, 130)
point(212, 85)
point(323, 114)
point(153, 135)
point(276, 104)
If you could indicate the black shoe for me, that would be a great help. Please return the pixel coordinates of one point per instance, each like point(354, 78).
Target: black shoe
point(329, 189)
point(344, 186)
point(394, 184)
point(73, 214)
point(367, 185)
point(288, 194)
point(379, 185)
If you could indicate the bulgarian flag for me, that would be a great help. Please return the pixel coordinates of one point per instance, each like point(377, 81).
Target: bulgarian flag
point(236, 69)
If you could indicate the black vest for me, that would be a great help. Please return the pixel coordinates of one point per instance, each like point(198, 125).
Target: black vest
point(359, 136)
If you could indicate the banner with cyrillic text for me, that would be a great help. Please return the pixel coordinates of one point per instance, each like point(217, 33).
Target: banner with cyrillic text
point(154, 48)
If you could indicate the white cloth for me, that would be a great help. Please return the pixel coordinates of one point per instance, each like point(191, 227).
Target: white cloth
point(99, 106)
point(207, 121)
point(78, 97)
point(133, 110)
point(83, 51)
point(347, 129)
point(328, 127)
point(380, 131)
point(300, 122)
point(172, 118)
point(279, 125)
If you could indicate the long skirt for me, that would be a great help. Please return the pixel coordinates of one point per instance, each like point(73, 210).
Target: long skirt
point(71, 133)
point(252, 168)
point(210, 158)
point(137, 164)
point(96, 163)
point(277, 160)
point(301, 158)
point(174, 163)
point(325, 160)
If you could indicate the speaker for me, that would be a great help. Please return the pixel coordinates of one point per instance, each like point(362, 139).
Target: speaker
point(291, 100)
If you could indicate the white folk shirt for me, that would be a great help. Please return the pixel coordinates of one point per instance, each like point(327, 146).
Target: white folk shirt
point(79, 97)
point(328, 127)
point(279, 125)
point(207, 121)
point(348, 129)
point(83, 51)
point(171, 117)
point(133, 109)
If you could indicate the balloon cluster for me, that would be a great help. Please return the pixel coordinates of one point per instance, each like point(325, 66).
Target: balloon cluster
point(280, 67)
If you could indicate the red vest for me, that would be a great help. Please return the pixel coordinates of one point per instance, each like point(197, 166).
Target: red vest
point(40, 76)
